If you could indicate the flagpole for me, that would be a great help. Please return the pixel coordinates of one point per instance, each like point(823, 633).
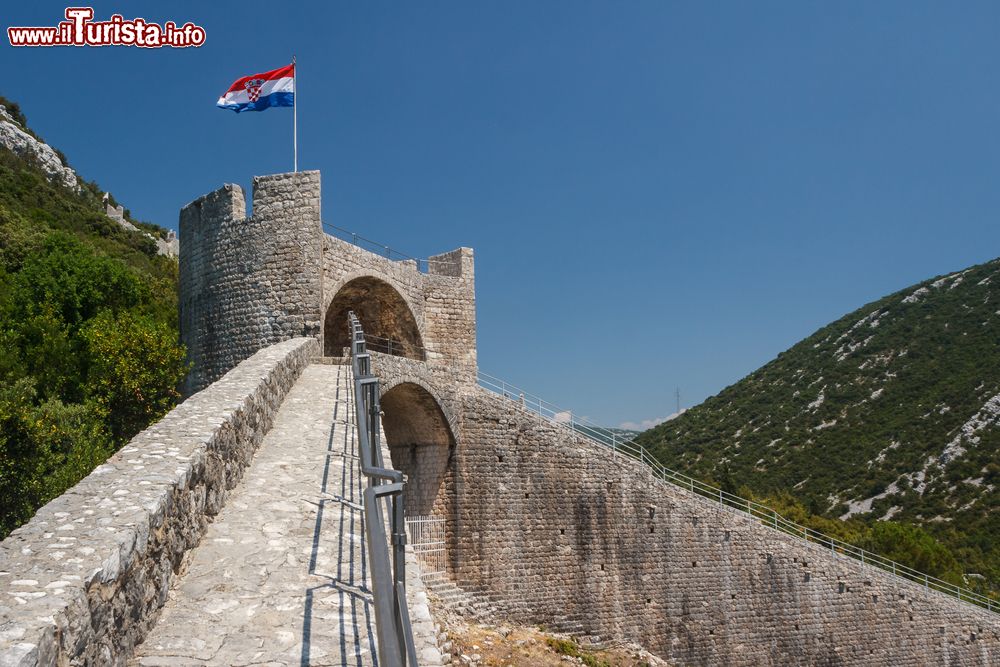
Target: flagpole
point(295, 116)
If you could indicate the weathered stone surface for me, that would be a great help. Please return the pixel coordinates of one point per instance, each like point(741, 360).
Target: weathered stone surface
point(82, 581)
point(13, 137)
point(281, 576)
point(246, 283)
point(394, 300)
point(561, 531)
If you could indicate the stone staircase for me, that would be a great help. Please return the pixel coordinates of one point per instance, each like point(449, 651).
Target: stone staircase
point(469, 604)
point(473, 604)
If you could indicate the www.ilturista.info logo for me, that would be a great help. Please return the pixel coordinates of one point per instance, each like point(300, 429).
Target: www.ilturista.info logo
point(79, 29)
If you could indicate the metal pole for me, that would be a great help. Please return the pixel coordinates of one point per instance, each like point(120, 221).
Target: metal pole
point(399, 567)
point(295, 116)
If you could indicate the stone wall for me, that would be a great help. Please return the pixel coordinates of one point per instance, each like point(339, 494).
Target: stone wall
point(249, 282)
point(442, 301)
point(419, 427)
point(562, 532)
point(547, 523)
point(82, 581)
point(169, 246)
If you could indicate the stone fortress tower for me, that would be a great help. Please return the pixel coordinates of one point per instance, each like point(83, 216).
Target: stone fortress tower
point(249, 282)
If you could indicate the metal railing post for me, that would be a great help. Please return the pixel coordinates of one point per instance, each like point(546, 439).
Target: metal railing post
point(392, 619)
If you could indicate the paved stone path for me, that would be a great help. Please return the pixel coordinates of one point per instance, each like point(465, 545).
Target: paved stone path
point(281, 576)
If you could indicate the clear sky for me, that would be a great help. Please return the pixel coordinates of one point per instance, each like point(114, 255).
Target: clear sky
point(659, 194)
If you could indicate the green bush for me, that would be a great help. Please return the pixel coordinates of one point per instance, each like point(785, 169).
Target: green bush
point(135, 369)
point(914, 547)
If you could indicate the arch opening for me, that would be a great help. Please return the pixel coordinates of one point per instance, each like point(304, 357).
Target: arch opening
point(388, 323)
point(420, 445)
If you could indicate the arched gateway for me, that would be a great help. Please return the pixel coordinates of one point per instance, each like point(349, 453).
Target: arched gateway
point(387, 319)
point(421, 444)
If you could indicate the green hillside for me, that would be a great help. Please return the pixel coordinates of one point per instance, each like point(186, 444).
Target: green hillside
point(88, 334)
point(890, 412)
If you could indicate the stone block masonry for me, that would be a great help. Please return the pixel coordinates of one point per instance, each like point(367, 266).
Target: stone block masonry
point(561, 531)
point(249, 282)
point(550, 525)
point(83, 581)
point(435, 311)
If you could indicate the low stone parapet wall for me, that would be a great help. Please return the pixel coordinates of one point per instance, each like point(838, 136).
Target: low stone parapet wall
point(82, 582)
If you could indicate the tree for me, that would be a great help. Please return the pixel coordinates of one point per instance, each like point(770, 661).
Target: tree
point(135, 367)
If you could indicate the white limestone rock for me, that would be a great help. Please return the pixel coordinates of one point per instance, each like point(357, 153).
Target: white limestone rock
point(14, 137)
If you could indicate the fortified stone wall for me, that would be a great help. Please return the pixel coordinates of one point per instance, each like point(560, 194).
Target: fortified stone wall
point(546, 522)
point(420, 405)
point(560, 531)
point(82, 582)
point(249, 282)
point(442, 301)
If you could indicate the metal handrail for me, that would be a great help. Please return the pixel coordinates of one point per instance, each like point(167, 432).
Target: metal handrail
point(768, 516)
point(388, 345)
point(423, 265)
point(392, 619)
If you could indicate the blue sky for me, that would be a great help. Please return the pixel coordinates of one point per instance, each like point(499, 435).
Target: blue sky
point(660, 194)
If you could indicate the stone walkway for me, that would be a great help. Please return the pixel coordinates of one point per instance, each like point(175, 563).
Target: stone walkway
point(281, 576)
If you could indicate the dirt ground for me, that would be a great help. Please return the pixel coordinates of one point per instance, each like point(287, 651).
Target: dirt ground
point(474, 644)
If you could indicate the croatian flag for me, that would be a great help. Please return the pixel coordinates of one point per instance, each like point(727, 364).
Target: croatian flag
point(260, 91)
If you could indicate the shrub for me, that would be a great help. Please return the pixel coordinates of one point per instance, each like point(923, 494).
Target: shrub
point(135, 367)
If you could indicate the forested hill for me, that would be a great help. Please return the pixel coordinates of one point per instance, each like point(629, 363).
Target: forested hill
point(88, 325)
point(891, 412)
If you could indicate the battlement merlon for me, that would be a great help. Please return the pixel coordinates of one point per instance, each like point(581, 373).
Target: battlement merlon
point(225, 204)
point(289, 196)
point(458, 263)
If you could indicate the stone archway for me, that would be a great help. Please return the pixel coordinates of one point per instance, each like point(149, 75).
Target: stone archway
point(420, 443)
point(388, 322)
